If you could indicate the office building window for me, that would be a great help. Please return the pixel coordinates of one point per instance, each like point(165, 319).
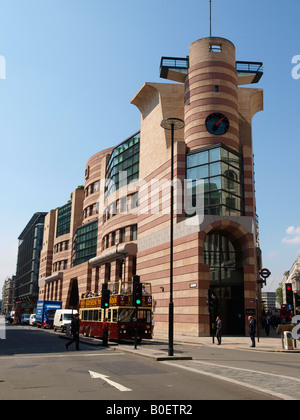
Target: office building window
point(123, 165)
point(85, 243)
point(221, 170)
point(64, 220)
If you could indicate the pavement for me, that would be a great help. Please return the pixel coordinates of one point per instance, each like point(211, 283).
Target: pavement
point(157, 349)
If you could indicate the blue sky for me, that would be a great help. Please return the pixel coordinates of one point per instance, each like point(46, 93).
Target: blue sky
point(73, 66)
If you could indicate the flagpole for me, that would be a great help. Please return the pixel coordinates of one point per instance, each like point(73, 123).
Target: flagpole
point(210, 18)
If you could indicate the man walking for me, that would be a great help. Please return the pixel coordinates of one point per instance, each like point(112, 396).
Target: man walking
point(252, 329)
point(74, 332)
point(218, 330)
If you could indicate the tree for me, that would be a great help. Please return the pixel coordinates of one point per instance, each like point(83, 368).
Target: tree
point(279, 295)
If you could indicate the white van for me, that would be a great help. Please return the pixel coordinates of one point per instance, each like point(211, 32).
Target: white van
point(32, 320)
point(62, 318)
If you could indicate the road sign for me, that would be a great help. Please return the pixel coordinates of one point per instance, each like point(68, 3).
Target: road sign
point(265, 273)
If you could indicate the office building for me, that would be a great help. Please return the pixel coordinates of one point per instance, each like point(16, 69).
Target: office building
point(119, 224)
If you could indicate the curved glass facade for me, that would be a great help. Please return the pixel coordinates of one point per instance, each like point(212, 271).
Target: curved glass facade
point(85, 243)
point(123, 165)
point(220, 168)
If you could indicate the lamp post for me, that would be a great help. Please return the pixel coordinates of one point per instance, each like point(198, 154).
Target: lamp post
point(171, 124)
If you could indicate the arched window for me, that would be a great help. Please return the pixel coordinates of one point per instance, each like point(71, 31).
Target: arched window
point(226, 280)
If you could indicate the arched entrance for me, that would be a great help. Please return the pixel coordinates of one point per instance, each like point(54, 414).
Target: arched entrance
point(226, 280)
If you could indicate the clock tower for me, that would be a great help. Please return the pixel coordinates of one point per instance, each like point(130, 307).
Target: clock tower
point(211, 95)
point(220, 256)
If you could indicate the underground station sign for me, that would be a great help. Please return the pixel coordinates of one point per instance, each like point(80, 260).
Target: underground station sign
point(265, 273)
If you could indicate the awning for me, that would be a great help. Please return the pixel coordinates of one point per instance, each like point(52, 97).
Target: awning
point(113, 254)
point(54, 277)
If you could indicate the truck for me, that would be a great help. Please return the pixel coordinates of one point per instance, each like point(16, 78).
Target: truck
point(45, 311)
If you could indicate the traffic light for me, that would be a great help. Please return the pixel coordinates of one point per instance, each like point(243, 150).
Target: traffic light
point(289, 294)
point(105, 297)
point(137, 291)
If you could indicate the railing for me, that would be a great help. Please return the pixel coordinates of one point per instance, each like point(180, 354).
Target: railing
point(249, 67)
point(182, 65)
point(174, 62)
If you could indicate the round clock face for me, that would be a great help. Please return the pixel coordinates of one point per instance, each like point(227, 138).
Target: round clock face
point(217, 123)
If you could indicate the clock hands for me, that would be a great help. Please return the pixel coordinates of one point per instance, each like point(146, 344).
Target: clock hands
point(220, 120)
point(216, 125)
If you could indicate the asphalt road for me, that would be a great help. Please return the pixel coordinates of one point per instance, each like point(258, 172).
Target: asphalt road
point(35, 365)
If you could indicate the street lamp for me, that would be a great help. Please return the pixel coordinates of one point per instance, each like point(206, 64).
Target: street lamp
point(171, 124)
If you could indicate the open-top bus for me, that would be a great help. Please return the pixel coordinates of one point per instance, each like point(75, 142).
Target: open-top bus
point(121, 314)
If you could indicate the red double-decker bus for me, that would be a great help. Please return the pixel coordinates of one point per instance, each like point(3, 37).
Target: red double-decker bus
point(22, 307)
point(121, 314)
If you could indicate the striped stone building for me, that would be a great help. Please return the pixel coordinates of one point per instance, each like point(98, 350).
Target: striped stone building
point(118, 225)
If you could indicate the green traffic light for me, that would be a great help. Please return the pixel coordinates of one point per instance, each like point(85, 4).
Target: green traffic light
point(106, 305)
point(138, 302)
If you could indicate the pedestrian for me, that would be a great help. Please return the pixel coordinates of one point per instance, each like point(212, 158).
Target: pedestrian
point(105, 332)
point(152, 324)
point(252, 329)
point(74, 332)
point(267, 325)
point(218, 327)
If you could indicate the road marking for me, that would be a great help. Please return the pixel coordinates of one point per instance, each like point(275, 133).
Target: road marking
point(233, 381)
point(58, 355)
point(248, 370)
point(95, 375)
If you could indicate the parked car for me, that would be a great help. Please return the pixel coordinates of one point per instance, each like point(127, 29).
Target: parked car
point(25, 319)
point(32, 319)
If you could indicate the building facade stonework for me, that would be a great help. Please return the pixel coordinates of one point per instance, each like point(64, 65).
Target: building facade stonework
point(118, 225)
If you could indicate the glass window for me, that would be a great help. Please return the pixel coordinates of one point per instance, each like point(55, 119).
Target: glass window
point(215, 183)
point(221, 170)
point(233, 160)
point(115, 315)
point(198, 172)
point(64, 220)
point(85, 243)
point(215, 169)
point(122, 235)
point(196, 159)
point(215, 154)
point(126, 315)
point(125, 159)
point(96, 315)
point(123, 204)
point(215, 197)
point(134, 232)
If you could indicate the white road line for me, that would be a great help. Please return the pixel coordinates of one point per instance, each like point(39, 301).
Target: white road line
point(95, 375)
point(58, 356)
point(233, 381)
point(291, 378)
